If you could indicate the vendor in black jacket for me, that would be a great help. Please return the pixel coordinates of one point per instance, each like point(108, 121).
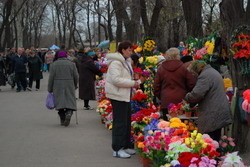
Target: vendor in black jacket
point(19, 67)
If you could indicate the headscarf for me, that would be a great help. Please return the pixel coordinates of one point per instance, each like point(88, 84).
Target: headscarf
point(197, 66)
point(91, 53)
point(62, 54)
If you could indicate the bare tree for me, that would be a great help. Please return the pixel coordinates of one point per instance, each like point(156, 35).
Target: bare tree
point(192, 13)
point(236, 19)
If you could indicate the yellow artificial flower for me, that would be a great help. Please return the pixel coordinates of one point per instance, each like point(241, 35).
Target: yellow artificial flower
point(210, 48)
point(141, 60)
point(110, 127)
point(138, 49)
point(174, 125)
point(227, 83)
point(175, 119)
point(204, 145)
point(192, 145)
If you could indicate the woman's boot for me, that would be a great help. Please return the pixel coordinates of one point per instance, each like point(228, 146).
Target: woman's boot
point(68, 117)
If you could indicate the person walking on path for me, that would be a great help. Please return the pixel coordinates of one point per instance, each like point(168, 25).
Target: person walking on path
point(211, 98)
point(35, 65)
point(63, 80)
point(172, 81)
point(19, 63)
point(49, 58)
point(87, 73)
point(118, 87)
point(2, 70)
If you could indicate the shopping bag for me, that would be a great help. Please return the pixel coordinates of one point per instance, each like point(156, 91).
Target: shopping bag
point(50, 101)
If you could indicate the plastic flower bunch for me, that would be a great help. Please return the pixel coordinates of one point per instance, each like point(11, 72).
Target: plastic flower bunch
point(231, 160)
point(175, 148)
point(149, 45)
point(195, 141)
point(104, 108)
point(175, 108)
point(246, 102)
point(227, 145)
point(151, 61)
point(101, 95)
point(177, 123)
point(210, 46)
point(241, 48)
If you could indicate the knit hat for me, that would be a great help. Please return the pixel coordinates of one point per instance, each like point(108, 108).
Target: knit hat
point(62, 54)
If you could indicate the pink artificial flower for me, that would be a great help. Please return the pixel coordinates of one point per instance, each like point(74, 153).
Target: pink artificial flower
point(230, 139)
point(145, 149)
point(223, 144)
point(150, 138)
point(158, 146)
point(163, 125)
point(155, 115)
point(224, 137)
point(232, 143)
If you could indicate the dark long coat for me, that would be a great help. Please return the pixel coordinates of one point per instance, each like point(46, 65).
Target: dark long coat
point(87, 72)
point(213, 104)
point(63, 80)
point(35, 67)
point(2, 71)
point(172, 82)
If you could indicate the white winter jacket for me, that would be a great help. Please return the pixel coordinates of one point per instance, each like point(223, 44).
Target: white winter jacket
point(119, 80)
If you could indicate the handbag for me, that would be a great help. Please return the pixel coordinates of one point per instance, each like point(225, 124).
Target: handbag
point(50, 101)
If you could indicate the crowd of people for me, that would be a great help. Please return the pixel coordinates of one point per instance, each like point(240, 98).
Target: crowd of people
point(177, 78)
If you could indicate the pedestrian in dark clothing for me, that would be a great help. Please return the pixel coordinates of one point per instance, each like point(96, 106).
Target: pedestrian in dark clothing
point(172, 81)
point(63, 80)
point(87, 72)
point(35, 65)
point(2, 71)
point(9, 60)
point(19, 67)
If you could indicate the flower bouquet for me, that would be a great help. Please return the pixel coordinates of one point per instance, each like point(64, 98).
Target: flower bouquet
point(241, 51)
point(227, 145)
point(174, 109)
point(139, 72)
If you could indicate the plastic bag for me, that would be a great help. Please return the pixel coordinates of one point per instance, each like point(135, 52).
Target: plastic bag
point(11, 79)
point(50, 101)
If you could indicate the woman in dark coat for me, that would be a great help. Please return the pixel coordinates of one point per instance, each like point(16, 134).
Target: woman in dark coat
point(211, 98)
point(2, 70)
point(172, 81)
point(87, 72)
point(35, 70)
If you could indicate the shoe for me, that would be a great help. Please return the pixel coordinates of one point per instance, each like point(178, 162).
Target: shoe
point(121, 154)
point(29, 89)
point(67, 118)
point(130, 151)
point(18, 90)
point(37, 89)
point(88, 108)
point(62, 119)
point(24, 89)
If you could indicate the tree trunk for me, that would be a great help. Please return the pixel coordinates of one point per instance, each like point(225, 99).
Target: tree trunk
point(19, 25)
point(111, 37)
point(236, 20)
point(118, 14)
point(88, 24)
point(192, 14)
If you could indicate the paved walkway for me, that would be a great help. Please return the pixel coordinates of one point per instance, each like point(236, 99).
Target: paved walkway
point(30, 135)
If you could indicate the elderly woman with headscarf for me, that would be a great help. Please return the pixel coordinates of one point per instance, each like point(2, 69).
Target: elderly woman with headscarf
point(211, 98)
point(63, 80)
point(172, 81)
point(87, 73)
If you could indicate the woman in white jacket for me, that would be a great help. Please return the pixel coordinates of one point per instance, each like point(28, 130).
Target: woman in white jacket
point(118, 87)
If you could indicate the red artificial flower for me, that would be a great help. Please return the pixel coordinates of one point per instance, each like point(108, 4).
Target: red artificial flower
point(138, 70)
point(139, 96)
point(134, 46)
point(186, 157)
point(246, 95)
